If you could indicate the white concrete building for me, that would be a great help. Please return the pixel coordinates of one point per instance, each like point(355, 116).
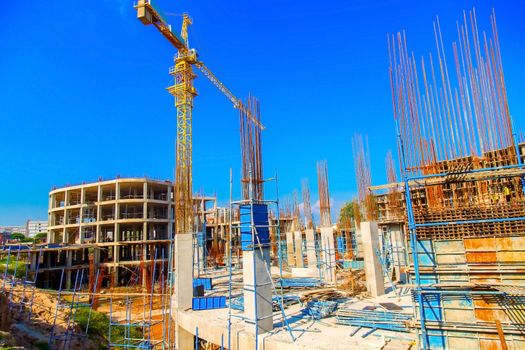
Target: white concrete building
point(34, 227)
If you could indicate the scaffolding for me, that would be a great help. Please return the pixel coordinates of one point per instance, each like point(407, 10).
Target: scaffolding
point(463, 182)
point(19, 285)
point(132, 329)
point(68, 304)
point(254, 230)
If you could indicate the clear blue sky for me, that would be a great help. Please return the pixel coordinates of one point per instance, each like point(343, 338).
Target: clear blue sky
point(82, 88)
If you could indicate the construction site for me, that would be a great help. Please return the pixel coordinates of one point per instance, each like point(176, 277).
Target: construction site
point(433, 259)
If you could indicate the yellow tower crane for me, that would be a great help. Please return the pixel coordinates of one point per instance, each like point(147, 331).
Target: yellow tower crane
point(184, 93)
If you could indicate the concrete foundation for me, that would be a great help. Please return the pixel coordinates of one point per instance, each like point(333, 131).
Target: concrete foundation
point(311, 257)
point(328, 254)
point(257, 291)
point(298, 238)
point(373, 269)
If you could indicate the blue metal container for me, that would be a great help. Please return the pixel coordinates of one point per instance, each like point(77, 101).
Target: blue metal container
point(259, 229)
point(208, 303)
point(206, 282)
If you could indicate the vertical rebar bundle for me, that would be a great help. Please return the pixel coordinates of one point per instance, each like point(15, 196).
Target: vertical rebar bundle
point(307, 207)
point(251, 150)
point(394, 195)
point(324, 195)
point(363, 177)
point(297, 218)
point(440, 117)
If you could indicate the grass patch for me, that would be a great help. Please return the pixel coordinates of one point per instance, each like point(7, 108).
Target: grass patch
point(20, 267)
point(99, 327)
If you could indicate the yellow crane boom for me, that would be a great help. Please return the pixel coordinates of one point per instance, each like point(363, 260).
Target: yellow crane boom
point(147, 14)
point(226, 92)
point(184, 93)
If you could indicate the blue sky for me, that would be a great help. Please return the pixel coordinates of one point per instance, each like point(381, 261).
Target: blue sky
point(83, 93)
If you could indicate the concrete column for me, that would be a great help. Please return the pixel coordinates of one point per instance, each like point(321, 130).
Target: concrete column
point(257, 290)
point(184, 270)
point(358, 242)
point(373, 269)
point(310, 248)
point(298, 236)
point(34, 260)
point(398, 251)
point(115, 264)
point(145, 213)
point(69, 263)
point(198, 252)
point(99, 198)
point(290, 252)
point(145, 270)
point(184, 339)
point(183, 286)
point(170, 212)
point(51, 204)
point(81, 215)
point(328, 253)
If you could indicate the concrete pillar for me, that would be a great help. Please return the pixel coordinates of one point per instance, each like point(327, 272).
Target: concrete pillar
point(198, 252)
point(170, 212)
point(373, 269)
point(184, 339)
point(183, 286)
point(144, 248)
point(34, 260)
point(398, 251)
point(298, 237)
point(183, 270)
point(115, 264)
point(69, 263)
point(99, 215)
point(290, 252)
point(328, 254)
point(310, 248)
point(358, 242)
point(257, 290)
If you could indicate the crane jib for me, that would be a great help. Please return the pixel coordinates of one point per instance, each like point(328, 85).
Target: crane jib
point(147, 14)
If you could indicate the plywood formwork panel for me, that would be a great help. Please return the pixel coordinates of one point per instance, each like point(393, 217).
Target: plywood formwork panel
point(450, 252)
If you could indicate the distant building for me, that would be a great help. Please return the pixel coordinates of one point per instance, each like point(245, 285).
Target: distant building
point(129, 220)
point(34, 227)
point(13, 229)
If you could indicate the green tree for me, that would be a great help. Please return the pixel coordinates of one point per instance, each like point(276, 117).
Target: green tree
point(40, 237)
point(18, 236)
point(348, 212)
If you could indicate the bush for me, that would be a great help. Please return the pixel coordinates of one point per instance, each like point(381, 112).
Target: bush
point(20, 266)
point(99, 326)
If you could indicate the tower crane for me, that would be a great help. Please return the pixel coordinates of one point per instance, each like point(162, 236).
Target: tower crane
point(184, 92)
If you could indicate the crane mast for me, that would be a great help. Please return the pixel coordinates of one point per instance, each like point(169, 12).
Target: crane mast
point(184, 92)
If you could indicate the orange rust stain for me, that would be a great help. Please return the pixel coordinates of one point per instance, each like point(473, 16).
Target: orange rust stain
point(511, 243)
point(511, 256)
point(481, 257)
point(489, 315)
point(486, 303)
point(486, 344)
point(480, 243)
point(485, 280)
